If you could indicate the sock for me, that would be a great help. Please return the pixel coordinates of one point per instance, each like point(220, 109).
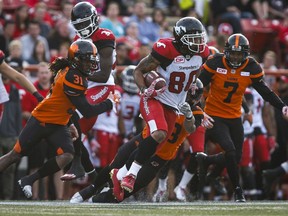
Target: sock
point(185, 179)
point(147, 148)
point(192, 165)
point(285, 166)
point(232, 168)
point(122, 172)
point(134, 169)
point(85, 160)
point(102, 178)
point(162, 185)
point(50, 167)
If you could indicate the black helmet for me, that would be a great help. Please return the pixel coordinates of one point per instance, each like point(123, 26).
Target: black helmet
point(195, 93)
point(84, 19)
point(236, 44)
point(190, 35)
point(82, 54)
point(128, 82)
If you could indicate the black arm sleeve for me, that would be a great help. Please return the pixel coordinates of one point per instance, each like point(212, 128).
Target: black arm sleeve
point(205, 77)
point(88, 110)
point(245, 106)
point(267, 94)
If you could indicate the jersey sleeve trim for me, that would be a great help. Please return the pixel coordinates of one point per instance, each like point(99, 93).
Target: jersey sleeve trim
point(253, 76)
point(205, 66)
point(71, 85)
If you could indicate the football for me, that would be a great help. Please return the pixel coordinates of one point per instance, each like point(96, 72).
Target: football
point(151, 76)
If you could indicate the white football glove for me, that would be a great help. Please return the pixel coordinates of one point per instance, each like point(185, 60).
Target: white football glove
point(151, 91)
point(186, 110)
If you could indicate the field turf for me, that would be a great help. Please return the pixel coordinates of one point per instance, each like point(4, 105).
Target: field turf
point(31, 208)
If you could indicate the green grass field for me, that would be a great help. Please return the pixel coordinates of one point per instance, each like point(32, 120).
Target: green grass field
point(150, 209)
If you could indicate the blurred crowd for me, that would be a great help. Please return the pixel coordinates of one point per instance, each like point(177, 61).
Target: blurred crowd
point(33, 33)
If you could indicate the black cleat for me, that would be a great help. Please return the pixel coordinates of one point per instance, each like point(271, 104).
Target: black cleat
point(104, 197)
point(239, 195)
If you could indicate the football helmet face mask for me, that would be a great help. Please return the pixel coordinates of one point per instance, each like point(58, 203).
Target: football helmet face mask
point(190, 35)
point(84, 18)
point(128, 82)
point(82, 54)
point(236, 50)
point(195, 93)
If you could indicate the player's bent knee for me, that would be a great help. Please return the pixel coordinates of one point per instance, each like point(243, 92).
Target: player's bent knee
point(159, 135)
point(66, 158)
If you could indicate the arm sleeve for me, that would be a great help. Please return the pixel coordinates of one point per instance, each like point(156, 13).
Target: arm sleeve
point(88, 110)
point(267, 94)
point(205, 77)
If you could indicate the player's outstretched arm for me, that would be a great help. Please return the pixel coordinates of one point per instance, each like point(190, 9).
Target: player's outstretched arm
point(14, 75)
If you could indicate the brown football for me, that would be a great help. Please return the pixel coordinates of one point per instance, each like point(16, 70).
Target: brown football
point(151, 76)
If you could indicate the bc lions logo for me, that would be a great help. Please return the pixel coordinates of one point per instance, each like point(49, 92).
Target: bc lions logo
point(159, 44)
point(179, 29)
point(106, 32)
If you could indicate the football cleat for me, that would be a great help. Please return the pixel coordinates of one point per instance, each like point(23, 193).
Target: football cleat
point(27, 189)
point(128, 182)
point(118, 191)
point(160, 196)
point(76, 198)
point(239, 195)
point(180, 193)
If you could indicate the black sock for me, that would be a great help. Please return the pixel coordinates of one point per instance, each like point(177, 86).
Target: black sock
point(102, 178)
point(192, 165)
point(85, 160)
point(279, 171)
point(50, 167)
point(77, 146)
point(232, 168)
point(147, 148)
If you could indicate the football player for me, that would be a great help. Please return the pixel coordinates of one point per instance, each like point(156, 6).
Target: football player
point(178, 60)
point(85, 21)
point(50, 118)
point(165, 152)
point(230, 73)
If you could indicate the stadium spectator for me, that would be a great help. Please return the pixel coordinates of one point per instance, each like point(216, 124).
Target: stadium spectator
point(21, 18)
point(53, 124)
point(59, 35)
point(269, 63)
point(160, 24)
point(228, 129)
point(112, 22)
point(226, 11)
point(146, 30)
point(38, 54)
point(7, 36)
point(276, 9)
point(132, 41)
point(66, 9)
point(29, 40)
point(40, 14)
point(122, 57)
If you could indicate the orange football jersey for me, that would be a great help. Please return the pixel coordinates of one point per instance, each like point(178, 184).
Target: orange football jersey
point(56, 108)
point(228, 85)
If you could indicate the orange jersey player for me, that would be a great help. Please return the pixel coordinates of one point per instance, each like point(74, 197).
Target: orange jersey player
point(229, 74)
point(50, 118)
